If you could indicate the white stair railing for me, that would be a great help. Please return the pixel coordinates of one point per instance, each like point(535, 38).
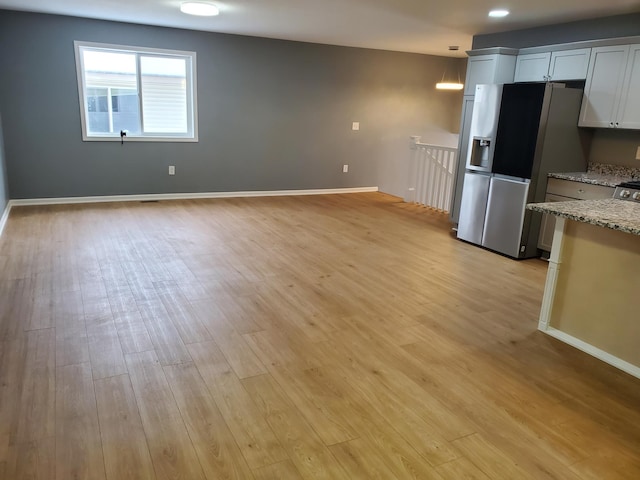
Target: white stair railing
point(431, 175)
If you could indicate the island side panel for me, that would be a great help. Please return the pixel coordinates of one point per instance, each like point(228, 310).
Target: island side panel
point(597, 294)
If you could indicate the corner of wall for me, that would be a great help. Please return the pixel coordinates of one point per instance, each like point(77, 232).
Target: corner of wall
point(4, 217)
point(4, 184)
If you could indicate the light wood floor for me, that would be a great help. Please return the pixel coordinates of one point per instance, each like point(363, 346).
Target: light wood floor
point(328, 337)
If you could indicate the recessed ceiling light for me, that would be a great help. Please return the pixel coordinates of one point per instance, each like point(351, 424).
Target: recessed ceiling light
point(499, 13)
point(199, 8)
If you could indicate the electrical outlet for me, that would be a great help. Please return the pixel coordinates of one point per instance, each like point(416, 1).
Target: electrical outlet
point(638, 154)
point(345, 168)
point(172, 170)
point(355, 126)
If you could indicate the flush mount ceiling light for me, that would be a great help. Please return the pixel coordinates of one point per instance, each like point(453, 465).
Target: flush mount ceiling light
point(498, 13)
point(199, 8)
point(451, 76)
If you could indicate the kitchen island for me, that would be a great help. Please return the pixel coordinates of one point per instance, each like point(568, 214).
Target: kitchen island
point(592, 292)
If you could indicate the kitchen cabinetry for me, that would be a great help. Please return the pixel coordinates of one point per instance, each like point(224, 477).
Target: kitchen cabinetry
point(563, 191)
point(612, 91)
point(552, 66)
point(489, 68)
point(463, 148)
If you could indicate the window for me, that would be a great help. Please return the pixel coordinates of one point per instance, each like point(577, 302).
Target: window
point(149, 93)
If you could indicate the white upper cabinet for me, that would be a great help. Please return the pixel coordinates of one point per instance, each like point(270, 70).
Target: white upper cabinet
point(493, 68)
point(532, 67)
point(569, 64)
point(629, 109)
point(612, 91)
point(551, 66)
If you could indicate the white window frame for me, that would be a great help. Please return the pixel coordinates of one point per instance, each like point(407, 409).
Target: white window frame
point(192, 103)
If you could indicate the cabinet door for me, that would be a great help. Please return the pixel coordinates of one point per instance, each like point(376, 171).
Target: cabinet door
point(604, 86)
point(463, 148)
point(629, 110)
point(569, 64)
point(480, 69)
point(505, 68)
point(494, 68)
point(532, 67)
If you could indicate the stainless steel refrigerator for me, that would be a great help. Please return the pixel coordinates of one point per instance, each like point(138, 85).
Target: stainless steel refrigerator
point(519, 133)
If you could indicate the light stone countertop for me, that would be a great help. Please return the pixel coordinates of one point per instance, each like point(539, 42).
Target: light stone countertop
point(594, 178)
point(601, 174)
point(609, 213)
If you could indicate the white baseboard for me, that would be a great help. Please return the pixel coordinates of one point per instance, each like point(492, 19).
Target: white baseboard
point(186, 196)
point(5, 217)
point(594, 352)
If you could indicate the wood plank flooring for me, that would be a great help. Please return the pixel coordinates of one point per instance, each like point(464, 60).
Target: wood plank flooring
point(320, 337)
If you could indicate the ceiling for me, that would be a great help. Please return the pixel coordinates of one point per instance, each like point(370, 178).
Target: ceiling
point(420, 26)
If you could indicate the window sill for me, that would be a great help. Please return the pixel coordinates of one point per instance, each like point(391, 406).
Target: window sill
point(128, 139)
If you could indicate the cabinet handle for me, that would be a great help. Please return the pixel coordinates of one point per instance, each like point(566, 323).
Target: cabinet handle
point(611, 124)
point(616, 124)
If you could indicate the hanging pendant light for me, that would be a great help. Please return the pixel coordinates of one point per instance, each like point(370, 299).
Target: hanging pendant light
point(451, 76)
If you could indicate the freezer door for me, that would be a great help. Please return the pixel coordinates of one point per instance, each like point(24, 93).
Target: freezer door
point(505, 215)
point(473, 207)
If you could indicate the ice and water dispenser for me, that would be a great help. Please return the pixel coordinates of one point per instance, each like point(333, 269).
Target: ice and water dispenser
point(480, 148)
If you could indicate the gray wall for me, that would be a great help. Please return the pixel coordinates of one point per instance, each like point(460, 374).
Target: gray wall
point(4, 186)
point(272, 114)
point(606, 27)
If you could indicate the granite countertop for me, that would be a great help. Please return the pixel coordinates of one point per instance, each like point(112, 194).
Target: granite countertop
point(609, 213)
point(593, 178)
point(601, 174)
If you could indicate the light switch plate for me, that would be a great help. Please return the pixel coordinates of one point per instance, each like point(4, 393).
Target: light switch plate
point(355, 126)
point(345, 168)
point(172, 170)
